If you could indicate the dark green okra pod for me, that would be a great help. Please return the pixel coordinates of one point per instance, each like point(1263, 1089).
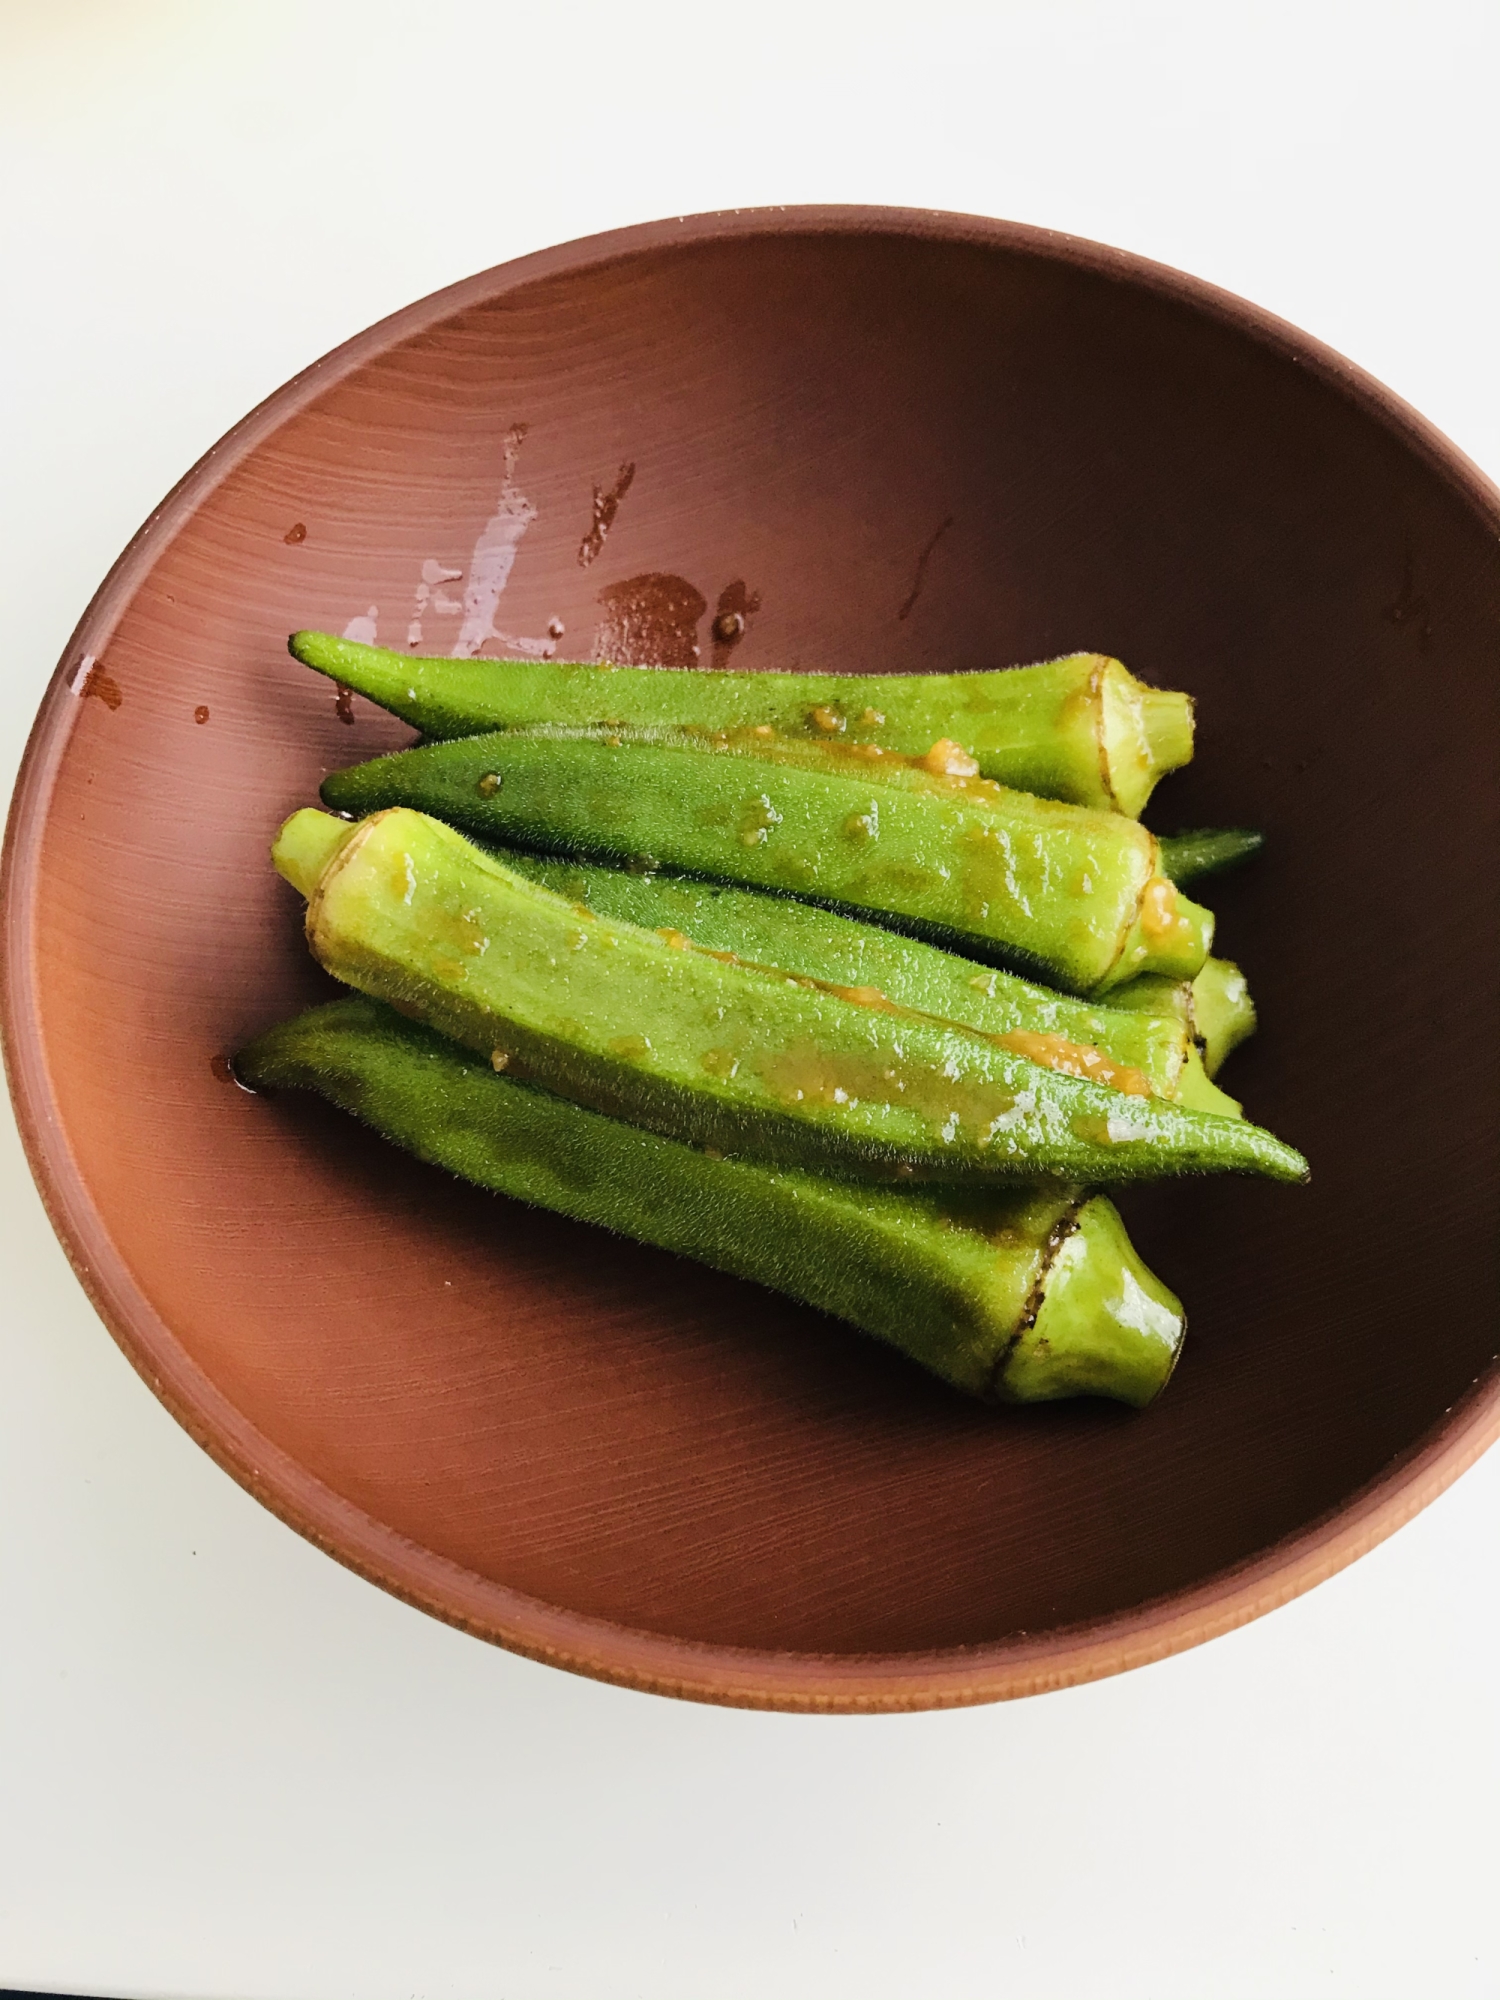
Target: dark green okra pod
point(1081, 728)
point(1071, 894)
point(405, 909)
point(1210, 850)
point(879, 964)
point(1015, 1295)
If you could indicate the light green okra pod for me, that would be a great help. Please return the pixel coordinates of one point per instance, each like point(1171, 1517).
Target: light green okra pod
point(1014, 1295)
point(1223, 1011)
point(405, 909)
point(1073, 895)
point(1081, 728)
point(841, 951)
point(1215, 1005)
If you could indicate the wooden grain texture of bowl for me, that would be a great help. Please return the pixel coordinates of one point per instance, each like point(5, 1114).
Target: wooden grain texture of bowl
point(835, 437)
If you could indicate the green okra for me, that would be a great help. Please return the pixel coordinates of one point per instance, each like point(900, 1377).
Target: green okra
point(1082, 728)
point(405, 909)
point(1215, 1005)
point(1210, 850)
point(1014, 1295)
point(1155, 994)
point(842, 952)
point(1074, 895)
point(1223, 1012)
point(1197, 1091)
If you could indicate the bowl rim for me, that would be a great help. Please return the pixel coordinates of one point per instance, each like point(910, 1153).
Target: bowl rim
point(748, 1677)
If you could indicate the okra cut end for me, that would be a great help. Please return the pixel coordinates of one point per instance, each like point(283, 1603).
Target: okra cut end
point(1107, 1326)
point(1167, 718)
point(305, 845)
point(1171, 935)
point(1144, 733)
point(1223, 1011)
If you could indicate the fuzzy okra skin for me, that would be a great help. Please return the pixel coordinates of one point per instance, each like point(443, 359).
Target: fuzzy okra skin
point(670, 1037)
point(1071, 894)
point(881, 964)
point(1209, 850)
point(1014, 1295)
point(1081, 728)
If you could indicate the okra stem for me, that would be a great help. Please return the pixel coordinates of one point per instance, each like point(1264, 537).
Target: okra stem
point(1072, 894)
point(722, 1054)
point(1019, 1295)
point(1081, 728)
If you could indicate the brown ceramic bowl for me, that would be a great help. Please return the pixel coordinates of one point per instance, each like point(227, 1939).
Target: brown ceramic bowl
point(887, 440)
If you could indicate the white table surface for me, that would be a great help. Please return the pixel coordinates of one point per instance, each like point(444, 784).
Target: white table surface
point(227, 1767)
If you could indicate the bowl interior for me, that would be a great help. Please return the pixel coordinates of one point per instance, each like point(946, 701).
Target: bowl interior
point(892, 447)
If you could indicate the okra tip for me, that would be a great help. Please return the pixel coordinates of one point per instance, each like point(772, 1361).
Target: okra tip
point(1276, 1159)
point(318, 650)
point(1209, 850)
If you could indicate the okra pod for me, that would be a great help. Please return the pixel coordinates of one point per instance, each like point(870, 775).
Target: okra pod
point(1073, 895)
point(1210, 850)
point(1223, 1012)
point(1215, 1005)
point(879, 964)
point(1082, 728)
point(670, 1037)
point(1014, 1295)
point(1197, 1091)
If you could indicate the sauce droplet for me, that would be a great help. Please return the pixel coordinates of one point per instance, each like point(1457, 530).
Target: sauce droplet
point(1082, 1059)
point(104, 685)
point(737, 605)
point(650, 621)
point(606, 505)
point(200, 714)
point(756, 820)
point(1160, 915)
point(947, 759)
point(226, 1072)
point(297, 532)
